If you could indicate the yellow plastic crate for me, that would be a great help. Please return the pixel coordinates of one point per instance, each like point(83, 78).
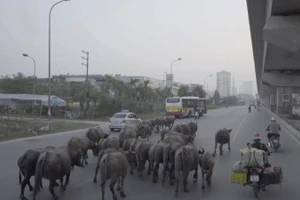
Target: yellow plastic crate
point(240, 178)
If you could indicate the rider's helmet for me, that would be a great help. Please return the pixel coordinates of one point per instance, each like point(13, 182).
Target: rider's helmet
point(256, 137)
point(273, 119)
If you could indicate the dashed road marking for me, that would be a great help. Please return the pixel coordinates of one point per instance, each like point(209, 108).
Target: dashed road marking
point(238, 129)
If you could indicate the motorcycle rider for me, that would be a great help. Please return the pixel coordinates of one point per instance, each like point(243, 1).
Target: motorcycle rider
point(261, 146)
point(273, 129)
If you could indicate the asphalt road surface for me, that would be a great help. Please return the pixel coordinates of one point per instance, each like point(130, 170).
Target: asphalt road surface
point(244, 124)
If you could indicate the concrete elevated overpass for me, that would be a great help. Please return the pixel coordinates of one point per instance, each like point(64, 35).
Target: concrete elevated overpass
point(275, 34)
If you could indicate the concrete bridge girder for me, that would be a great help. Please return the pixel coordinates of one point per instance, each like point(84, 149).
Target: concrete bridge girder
point(281, 80)
point(283, 31)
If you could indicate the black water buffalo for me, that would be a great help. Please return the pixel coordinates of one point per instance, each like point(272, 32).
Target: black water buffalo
point(156, 158)
point(168, 159)
point(54, 165)
point(222, 136)
point(83, 144)
point(27, 163)
point(142, 155)
point(113, 166)
point(95, 134)
point(186, 159)
point(207, 164)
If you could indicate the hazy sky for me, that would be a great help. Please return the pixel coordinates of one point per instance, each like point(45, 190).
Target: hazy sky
point(129, 37)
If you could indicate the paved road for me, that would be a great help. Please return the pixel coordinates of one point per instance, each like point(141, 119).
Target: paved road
point(244, 124)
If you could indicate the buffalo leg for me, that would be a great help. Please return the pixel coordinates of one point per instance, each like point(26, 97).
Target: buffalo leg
point(111, 187)
point(203, 174)
point(96, 172)
point(164, 173)
point(67, 180)
point(208, 177)
point(85, 158)
point(103, 189)
point(221, 149)
point(215, 151)
point(61, 180)
point(177, 185)
point(122, 193)
point(119, 184)
point(195, 175)
point(171, 174)
point(229, 148)
point(26, 181)
point(185, 183)
point(149, 168)
point(131, 168)
point(155, 173)
point(51, 189)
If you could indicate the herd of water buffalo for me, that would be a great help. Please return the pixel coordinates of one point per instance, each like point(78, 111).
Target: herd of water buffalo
point(132, 149)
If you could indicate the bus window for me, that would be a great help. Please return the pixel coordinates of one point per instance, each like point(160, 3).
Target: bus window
point(173, 100)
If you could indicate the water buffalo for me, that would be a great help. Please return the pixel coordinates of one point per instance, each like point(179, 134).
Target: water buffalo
point(83, 144)
point(177, 137)
point(145, 131)
point(129, 145)
point(54, 165)
point(168, 159)
point(155, 158)
point(159, 121)
point(106, 143)
point(113, 166)
point(101, 154)
point(222, 136)
point(163, 132)
point(207, 164)
point(186, 159)
point(95, 134)
point(169, 121)
point(142, 155)
point(27, 163)
point(130, 131)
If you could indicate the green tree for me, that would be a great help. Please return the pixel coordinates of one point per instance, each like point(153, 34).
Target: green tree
point(216, 98)
point(183, 91)
point(199, 92)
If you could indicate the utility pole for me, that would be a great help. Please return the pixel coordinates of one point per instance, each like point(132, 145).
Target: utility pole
point(87, 96)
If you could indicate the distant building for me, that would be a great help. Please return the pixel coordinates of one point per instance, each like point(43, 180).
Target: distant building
point(224, 83)
point(247, 88)
point(234, 89)
point(154, 83)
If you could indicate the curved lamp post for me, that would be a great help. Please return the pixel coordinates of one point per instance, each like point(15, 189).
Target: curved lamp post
point(49, 63)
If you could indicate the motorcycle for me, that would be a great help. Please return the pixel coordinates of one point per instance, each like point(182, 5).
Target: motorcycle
point(274, 143)
point(255, 175)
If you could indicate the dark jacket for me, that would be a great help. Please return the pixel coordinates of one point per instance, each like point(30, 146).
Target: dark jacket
point(260, 146)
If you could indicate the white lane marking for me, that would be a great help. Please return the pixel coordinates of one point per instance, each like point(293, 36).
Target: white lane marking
point(238, 129)
point(83, 183)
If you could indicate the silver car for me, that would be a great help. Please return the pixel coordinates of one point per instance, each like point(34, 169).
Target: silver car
point(118, 120)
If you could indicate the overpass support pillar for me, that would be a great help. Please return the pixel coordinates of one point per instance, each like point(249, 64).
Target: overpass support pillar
point(283, 100)
point(273, 102)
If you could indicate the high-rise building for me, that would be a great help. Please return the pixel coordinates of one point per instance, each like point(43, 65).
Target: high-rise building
point(247, 87)
point(224, 83)
point(234, 89)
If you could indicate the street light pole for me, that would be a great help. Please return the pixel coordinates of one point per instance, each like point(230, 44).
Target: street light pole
point(49, 63)
point(34, 70)
point(172, 74)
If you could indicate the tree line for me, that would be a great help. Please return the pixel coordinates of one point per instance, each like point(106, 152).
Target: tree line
point(111, 96)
